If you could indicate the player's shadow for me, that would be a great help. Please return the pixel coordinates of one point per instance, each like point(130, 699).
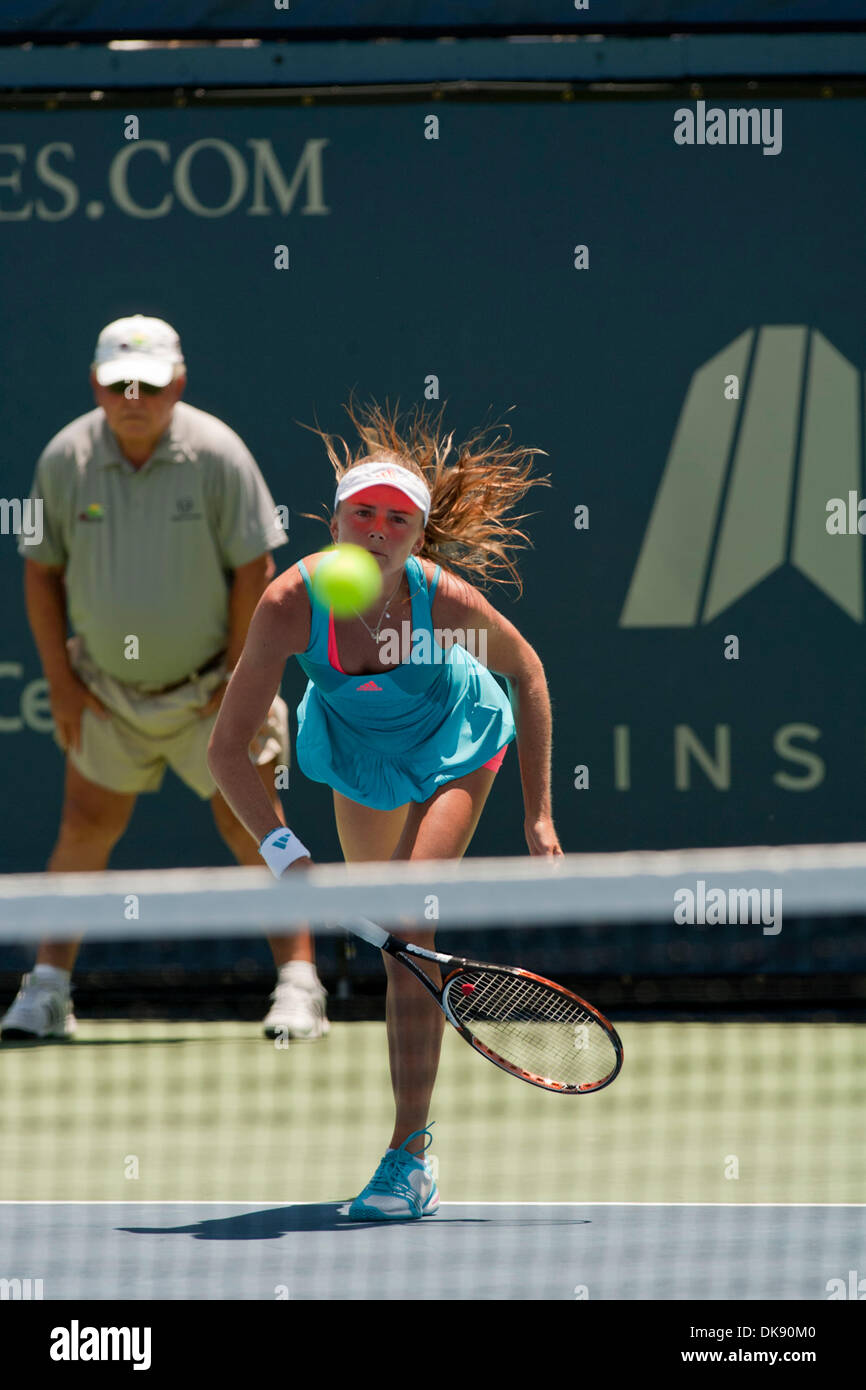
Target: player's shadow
point(317, 1216)
point(262, 1225)
point(76, 1045)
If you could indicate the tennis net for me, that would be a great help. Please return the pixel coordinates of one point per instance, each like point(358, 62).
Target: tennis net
point(171, 1151)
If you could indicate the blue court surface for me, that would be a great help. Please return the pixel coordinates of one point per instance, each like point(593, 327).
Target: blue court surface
point(474, 1251)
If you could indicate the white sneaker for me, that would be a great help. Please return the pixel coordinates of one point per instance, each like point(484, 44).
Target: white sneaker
point(403, 1187)
point(39, 1010)
point(297, 1007)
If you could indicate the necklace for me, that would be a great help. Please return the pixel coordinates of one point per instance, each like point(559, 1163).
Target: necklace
point(386, 613)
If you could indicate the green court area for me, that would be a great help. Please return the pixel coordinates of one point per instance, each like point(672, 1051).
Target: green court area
point(702, 1112)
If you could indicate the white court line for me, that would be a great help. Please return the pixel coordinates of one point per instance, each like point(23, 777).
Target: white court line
point(281, 1202)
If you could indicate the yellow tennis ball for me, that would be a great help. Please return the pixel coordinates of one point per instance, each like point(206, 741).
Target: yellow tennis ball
point(347, 579)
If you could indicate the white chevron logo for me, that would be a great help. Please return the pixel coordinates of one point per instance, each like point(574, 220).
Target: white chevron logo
point(747, 482)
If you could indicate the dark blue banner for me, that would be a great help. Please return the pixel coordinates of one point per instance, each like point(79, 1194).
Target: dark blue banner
point(669, 296)
point(288, 16)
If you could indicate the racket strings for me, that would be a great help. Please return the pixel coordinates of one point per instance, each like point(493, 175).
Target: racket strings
point(535, 1027)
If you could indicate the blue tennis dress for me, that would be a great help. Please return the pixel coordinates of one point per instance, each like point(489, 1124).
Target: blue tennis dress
point(395, 736)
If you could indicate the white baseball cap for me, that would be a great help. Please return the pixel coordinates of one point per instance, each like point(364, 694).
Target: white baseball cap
point(380, 473)
point(137, 349)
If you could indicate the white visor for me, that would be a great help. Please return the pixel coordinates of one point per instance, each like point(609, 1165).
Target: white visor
point(385, 475)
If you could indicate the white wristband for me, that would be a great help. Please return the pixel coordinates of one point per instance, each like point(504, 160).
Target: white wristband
point(280, 848)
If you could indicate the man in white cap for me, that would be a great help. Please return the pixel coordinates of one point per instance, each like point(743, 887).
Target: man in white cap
point(157, 532)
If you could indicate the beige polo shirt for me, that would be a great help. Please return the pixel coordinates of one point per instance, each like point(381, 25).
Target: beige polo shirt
point(148, 552)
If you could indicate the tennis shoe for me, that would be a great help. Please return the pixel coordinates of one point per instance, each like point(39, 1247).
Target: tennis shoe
point(39, 1010)
point(403, 1187)
point(297, 1009)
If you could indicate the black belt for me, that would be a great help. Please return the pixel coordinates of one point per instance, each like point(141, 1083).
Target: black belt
point(202, 671)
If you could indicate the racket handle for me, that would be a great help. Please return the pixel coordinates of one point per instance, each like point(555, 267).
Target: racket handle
point(367, 930)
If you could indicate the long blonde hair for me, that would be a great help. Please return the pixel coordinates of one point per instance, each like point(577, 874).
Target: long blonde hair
point(468, 528)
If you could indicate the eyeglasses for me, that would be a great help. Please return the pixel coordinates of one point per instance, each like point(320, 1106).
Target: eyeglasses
point(119, 388)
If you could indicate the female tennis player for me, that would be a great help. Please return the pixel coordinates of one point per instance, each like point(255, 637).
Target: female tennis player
point(410, 747)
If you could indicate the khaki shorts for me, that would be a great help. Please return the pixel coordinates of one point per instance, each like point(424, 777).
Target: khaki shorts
point(147, 733)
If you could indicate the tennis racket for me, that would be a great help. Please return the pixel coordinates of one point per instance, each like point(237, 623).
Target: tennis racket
point(530, 1027)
